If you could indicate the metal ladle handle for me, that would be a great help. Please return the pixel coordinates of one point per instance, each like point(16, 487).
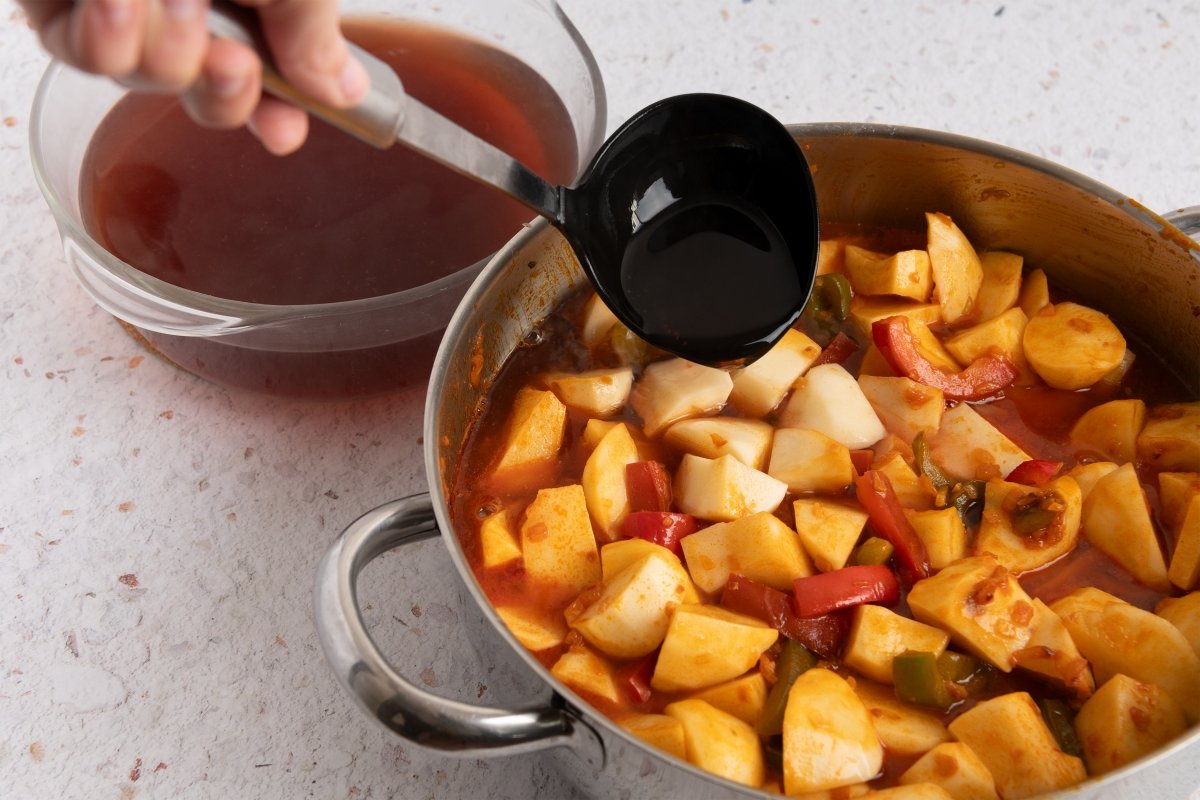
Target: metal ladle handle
point(388, 114)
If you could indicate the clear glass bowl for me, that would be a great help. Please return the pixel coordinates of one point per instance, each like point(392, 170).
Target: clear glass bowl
point(337, 349)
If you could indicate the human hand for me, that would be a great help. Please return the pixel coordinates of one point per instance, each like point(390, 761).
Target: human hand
point(164, 46)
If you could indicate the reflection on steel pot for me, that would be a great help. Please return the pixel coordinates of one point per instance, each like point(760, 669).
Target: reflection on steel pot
point(1109, 251)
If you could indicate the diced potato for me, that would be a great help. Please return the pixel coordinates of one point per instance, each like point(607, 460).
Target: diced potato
point(840, 793)
point(1035, 292)
point(1116, 520)
point(967, 446)
point(828, 399)
point(743, 697)
point(629, 619)
point(910, 490)
point(1001, 287)
point(604, 481)
point(586, 673)
point(904, 274)
point(719, 742)
point(1001, 333)
point(1184, 571)
point(809, 461)
point(1019, 552)
point(865, 311)
point(595, 429)
point(942, 532)
point(1072, 346)
point(1052, 654)
point(873, 363)
point(534, 628)
point(1087, 475)
point(1184, 614)
point(557, 539)
point(1170, 439)
point(957, 271)
point(954, 767)
point(658, 730)
point(533, 436)
point(878, 635)
point(706, 645)
point(758, 546)
point(1010, 737)
point(903, 728)
point(831, 255)
point(759, 387)
point(497, 542)
point(828, 529)
point(598, 321)
point(1111, 429)
point(1124, 720)
point(1119, 638)
point(724, 488)
point(930, 346)
point(747, 440)
point(599, 392)
point(905, 407)
point(828, 737)
point(1175, 493)
point(616, 556)
point(912, 791)
point(982, 606)
point(675, 389)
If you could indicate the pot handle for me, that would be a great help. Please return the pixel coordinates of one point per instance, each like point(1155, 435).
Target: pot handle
point(415, 714)
point(1186, 220)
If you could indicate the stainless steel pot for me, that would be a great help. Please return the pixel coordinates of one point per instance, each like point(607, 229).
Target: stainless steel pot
point(1113, 253)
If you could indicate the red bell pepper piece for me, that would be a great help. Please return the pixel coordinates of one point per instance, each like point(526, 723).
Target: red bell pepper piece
point(664, 528)
point(876, 495)
point(837, 351)
point(1034, 472)
point(983, 378)
point(822, 634)
point(862, 460)
point(637, 677)
point(648, 484)
point(845, 588)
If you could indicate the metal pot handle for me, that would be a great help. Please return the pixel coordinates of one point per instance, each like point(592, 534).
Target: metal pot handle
point(1186, 220)
point(413, 713)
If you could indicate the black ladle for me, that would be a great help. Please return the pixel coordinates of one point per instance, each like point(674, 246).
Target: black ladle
point(696, 221)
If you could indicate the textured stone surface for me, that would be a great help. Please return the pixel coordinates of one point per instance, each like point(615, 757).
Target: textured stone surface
point(158, 535)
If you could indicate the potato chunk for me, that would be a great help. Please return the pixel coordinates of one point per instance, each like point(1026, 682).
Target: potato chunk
point(903, 274)
point(759, 546)
point(629, 619)
point(1110, 429)
point(1072, 346)
point(557, 540)
point(828, 737)
point(967, 446)
point(828, 529)
point(828, 400)
point(957, 272)
point(1052, 654)
point(719, 742)
point(954, 767)
point(1124, 720)
point(1184, 614)
point(706, 645)
point(1035, 292)
point(1087, 475)
point(586, 673)
point(1184, 571)
point(1119, 638)
point(598, 392)
point(1175, 492)
point(724, 488)
point(534, 629)
point(912, 791)
point(809, 461)
point(1116, 520)
point(904, 406)
point(616, 556)
point(1001, 287)
point(497, 542)
point(675, 389)
point(942, 532)
point(759, 387)
point(658, 730)
point(877, 635)
point(1001, 333)
point(743, 697)
point(598, 320)
point(982, 606)
point(866, 311)
point(747, 440)
point(604, 481)
point(1011, 512)
point(533, 436)
point(1170, 439)
point(1013, 742)
point(903, 728)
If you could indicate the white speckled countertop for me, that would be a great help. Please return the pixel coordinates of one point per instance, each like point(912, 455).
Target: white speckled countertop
point(158, 534)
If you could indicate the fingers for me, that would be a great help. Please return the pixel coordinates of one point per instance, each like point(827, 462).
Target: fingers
point(306, 41)
point(101, 36)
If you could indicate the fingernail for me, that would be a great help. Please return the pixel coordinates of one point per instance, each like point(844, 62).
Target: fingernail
point(115, 13)
point(354, 80)
point(224, 85)
point(182, 10)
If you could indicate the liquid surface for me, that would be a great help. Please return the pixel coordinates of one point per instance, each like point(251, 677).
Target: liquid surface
point(213, 212)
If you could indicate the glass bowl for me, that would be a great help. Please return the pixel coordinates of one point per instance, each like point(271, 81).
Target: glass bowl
point(341, 348)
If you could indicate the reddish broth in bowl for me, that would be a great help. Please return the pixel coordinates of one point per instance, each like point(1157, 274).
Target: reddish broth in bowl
point(946, 532)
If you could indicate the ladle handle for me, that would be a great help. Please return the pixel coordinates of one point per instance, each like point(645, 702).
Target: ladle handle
point(387, 115)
